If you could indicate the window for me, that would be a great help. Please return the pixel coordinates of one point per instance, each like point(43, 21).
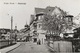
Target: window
point(40, 17)
point(69, 19)
point(39, 25)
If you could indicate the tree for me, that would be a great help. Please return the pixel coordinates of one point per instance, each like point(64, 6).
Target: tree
point(54, 24)
point(77, 33)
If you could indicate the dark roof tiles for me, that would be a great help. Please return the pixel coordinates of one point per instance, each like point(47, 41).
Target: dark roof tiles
point(39, 10)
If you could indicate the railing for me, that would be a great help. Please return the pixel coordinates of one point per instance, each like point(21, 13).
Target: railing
point(5, 43)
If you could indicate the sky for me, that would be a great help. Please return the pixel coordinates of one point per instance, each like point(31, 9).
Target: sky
point(21, 12)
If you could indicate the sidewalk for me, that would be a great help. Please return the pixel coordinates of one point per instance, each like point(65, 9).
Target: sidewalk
point(7, 49)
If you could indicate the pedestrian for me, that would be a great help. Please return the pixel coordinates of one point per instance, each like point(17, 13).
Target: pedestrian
point(39, 42)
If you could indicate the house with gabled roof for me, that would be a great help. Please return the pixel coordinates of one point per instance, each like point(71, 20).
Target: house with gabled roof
point(39, 14)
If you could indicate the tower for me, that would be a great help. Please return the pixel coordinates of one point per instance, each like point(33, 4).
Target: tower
point(16, 27)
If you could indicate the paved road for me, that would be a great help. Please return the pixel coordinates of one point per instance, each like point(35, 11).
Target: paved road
point(28, 47)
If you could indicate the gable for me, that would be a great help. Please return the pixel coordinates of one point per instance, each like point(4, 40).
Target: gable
point(56, 11)
point(49, 9)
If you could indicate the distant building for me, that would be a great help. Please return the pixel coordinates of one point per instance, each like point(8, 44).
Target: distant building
point(4, 33)
point(33, 29)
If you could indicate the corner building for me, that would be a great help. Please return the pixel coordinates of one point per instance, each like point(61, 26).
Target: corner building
point(36, 25)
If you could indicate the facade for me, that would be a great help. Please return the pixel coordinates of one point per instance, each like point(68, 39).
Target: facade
point(41, 33)
point(39, 15)
point(33, 28)
point(26, 33)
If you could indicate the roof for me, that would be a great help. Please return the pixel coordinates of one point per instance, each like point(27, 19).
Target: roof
point(39, 10)
point(69, 16)
point(42, 10)
point(77, 28)
point(49, 9)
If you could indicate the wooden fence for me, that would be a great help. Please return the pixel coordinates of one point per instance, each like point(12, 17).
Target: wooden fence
point(67, 46)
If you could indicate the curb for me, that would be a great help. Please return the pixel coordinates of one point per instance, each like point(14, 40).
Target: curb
point(8, 49)
point(13, 48)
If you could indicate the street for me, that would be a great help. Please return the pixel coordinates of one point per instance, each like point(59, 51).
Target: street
point(28, 47)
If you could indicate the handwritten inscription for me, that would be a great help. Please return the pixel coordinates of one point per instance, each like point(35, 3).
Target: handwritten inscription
point(14, 3)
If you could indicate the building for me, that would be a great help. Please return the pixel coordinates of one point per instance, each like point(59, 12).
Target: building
point(24, 34)
point(27, 33)
point(39, 15)
point(5, 33)
point(33, 28)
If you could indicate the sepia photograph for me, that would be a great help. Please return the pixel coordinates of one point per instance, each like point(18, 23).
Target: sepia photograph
point(39, 26)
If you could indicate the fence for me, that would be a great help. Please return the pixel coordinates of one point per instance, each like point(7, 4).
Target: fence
point(4, 43)
point(65, 45)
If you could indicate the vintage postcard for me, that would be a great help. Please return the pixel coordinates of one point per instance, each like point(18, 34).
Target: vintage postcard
point(39, 26)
